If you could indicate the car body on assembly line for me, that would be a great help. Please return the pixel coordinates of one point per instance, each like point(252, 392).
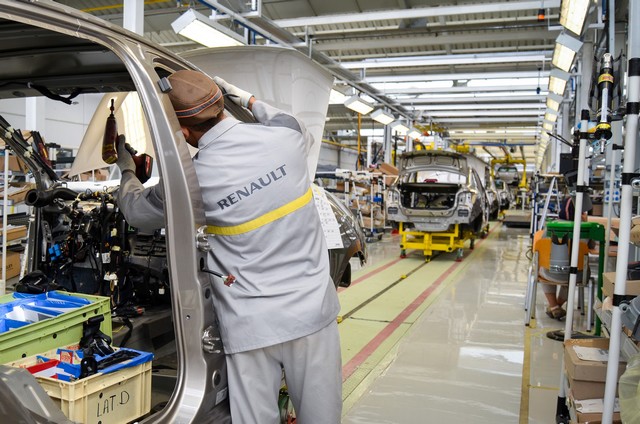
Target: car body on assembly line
point(436, 190)
point(74, 59)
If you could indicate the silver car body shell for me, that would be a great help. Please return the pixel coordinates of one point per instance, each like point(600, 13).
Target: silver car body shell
point(467, 203)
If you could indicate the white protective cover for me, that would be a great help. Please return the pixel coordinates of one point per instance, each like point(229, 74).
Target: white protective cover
point(131, 123)
point(284, 78)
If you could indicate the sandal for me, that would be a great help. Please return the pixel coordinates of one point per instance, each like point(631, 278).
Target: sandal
point(556, 313)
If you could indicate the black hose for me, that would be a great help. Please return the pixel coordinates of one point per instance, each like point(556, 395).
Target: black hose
point(39, 199)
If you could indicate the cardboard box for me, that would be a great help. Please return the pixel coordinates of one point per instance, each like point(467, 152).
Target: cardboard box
point(13, 264)
point(587, 389)
point(387, 169)
point(390, 173)
point(632, 287)
point(578, 369)
point(17, 192)
point(366, 222)
point(13, 232)
point(634, 234)
point(16, 164)
point(591, 417)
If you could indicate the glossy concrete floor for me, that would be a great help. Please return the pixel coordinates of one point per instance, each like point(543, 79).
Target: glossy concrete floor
point(445, 341)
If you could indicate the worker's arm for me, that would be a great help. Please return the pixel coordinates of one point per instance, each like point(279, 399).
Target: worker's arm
point(263, 112)
point(142, 207)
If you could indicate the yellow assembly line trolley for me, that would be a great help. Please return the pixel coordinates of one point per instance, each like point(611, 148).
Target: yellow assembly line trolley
point(445, 241)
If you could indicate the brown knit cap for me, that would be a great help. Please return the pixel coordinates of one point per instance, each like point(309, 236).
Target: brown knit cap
point(195, 97)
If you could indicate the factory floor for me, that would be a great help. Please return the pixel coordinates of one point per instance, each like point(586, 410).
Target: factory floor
point(445, 341)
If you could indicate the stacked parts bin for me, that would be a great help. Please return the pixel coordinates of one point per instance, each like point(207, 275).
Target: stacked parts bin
point(120, 393)
point(31, 324)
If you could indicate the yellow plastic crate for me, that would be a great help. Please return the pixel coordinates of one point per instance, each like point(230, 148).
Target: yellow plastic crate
point(115, 398)
point(61, 330)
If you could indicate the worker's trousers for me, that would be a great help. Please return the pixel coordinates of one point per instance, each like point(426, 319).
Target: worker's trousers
point(313, 374)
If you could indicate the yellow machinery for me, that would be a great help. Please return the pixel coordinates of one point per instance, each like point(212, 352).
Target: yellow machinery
point(446, 241)
point(509, 160)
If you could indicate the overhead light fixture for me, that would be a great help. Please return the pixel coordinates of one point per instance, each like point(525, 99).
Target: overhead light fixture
point(197, 27)
point(547, 126)
point(550, 117)
point(554, 101)
point(551, 111)
point(558, 81)
point(565, 51)
point(414, 133)
point(573, 14)
point(336, 97)
point(545, 121)
point(355, 103)
point(557, 86)
point(385, 118)
point(399, 127)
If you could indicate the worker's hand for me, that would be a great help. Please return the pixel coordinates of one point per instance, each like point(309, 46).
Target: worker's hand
point(125, 160)
point(237, 95)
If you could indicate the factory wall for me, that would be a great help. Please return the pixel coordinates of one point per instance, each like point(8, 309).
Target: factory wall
point(63, 124)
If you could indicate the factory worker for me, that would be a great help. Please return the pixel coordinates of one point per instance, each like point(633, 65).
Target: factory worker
point(281, 312)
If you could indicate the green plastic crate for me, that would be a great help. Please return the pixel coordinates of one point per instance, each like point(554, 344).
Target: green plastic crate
point(62, 330)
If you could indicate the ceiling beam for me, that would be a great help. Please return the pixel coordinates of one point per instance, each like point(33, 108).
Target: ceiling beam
point(502, 112)
point(419, 12)
point(457, 76)
point(472, 98)
point(389, 42)
point(489, 106)
point(459, 89)
point(454, 59)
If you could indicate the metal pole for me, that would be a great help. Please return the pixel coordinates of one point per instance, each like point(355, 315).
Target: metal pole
point(612, 179)
point(5, 210)
point(626, 200)
point(562, 412)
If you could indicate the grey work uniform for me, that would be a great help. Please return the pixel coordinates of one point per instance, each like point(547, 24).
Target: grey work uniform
point(282, 310)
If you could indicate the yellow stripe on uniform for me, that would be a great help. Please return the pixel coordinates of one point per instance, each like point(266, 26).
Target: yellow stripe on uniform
point(265, 219)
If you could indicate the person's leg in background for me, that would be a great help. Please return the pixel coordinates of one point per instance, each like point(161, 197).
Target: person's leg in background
point(556, 296)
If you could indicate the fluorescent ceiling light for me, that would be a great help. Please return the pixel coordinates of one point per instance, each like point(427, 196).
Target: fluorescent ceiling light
point(336, 97)
point(355, 103)
point(385, 118)
point(565, 51)
point(399, 127)
point(199, 28)
point(439, 60)
point(563, 57)
point(550, 117)
point(414, 133)
point(548, 126)
point(552, 104)
point(557, 86)
point(558, 81)
point(548, 122)
point(551, 111)
point(573, 14)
